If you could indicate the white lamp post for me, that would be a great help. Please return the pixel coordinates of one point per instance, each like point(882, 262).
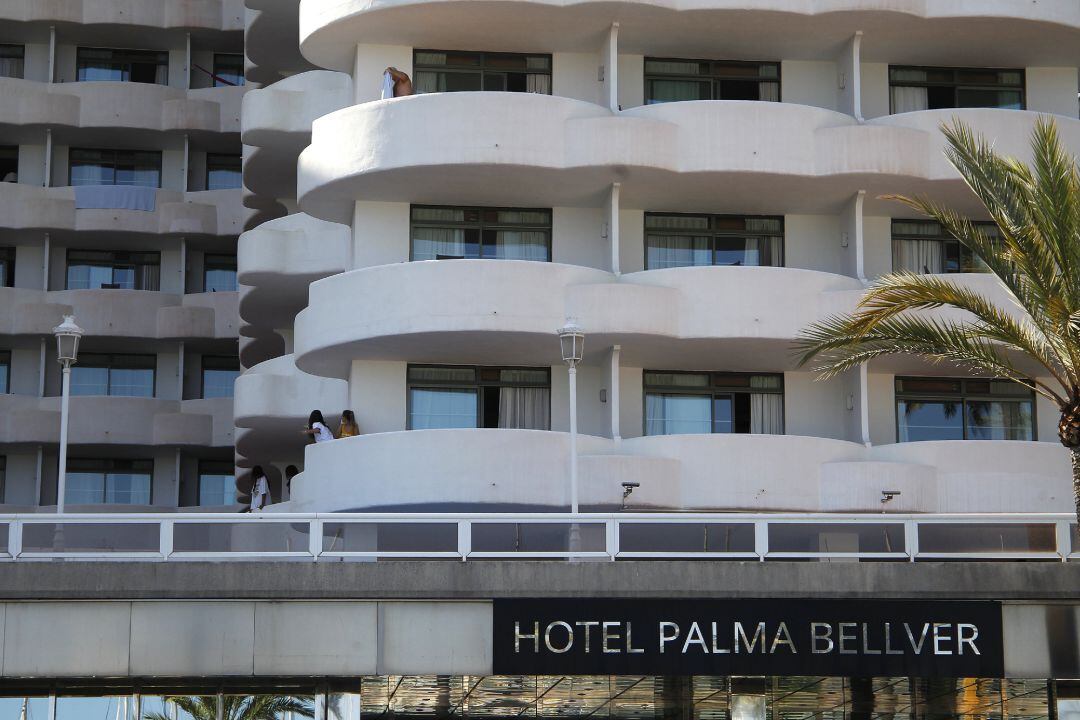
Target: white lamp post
point(67, 352)
point(572, 340)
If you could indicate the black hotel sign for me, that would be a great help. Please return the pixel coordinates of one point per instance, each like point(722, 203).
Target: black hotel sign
point(748, 637)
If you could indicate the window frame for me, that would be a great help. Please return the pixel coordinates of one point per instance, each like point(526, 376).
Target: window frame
point(7, 257)
point(7, 51)
point(199, 479)
point(5, 370)
point(203, 368)
point(214, 258)
point(943, 238)
point(713, 76)
point(481, 67)
point(218, 57)
point(477, 383)
point(962, 398)
point(114, 162)
point(127, 58)
point(956, 85)
point(479, 225)
point(712, 390)
point(713, 234)
point(232, 159)
point(120, 259)
point(112, 466)
point(86, 360)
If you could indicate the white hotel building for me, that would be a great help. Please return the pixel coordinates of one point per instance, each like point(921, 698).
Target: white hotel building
point(693, 183)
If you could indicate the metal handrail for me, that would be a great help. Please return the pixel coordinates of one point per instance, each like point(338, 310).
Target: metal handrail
point(301, 536)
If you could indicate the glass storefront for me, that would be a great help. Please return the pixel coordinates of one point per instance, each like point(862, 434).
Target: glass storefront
point(583, 696)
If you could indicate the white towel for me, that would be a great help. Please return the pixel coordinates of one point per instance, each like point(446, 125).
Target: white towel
point(115, 197)
point(387, 86)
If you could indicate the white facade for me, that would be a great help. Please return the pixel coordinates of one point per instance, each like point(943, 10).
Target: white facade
point(337, 308)
point(112, 81)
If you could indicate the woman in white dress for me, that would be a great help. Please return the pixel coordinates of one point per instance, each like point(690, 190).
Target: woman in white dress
point(260, 489)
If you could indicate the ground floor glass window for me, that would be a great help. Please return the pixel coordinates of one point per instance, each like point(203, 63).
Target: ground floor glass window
point(479, 397)
point(678, 403)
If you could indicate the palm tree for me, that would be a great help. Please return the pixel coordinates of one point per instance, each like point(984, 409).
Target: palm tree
point(1036, 258)
point(239, 707)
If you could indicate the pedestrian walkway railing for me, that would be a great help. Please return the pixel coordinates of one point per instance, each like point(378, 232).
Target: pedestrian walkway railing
point(602, 536)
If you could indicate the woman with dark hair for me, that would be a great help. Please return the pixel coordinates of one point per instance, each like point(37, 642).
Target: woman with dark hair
point(348, 427)
point(316, 427)
point(260, 489)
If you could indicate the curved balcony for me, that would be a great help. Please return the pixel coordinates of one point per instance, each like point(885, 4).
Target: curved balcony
point(121, 313)
point(272, 400)
point(121, 105)
point(220, 15)
point(259, 343)
point(808, 30)
point(270, 40)
point(279, 260)
point(522, 149)
point(103, 420)
point(277, 125)
point(506, 311)
point(503, 470)
point(209, 212)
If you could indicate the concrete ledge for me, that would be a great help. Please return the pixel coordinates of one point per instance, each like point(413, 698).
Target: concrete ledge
point(493, 579)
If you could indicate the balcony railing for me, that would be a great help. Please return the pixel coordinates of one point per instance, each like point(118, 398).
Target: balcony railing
point(377, 536)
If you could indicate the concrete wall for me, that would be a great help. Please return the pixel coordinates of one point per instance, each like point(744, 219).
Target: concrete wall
point(875, 89)
point(1052, 90)
point(577, 237)
point(574, 75)
point(809, 83)
point(244, 639)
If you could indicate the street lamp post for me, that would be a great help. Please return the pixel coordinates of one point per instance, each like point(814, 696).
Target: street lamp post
point(572, 340)
point(67, 353)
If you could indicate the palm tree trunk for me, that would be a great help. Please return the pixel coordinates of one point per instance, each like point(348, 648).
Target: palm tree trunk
point(1076, 479)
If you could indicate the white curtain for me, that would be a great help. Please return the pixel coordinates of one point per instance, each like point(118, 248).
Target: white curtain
point(769, 91)
point(908, 99)
point(917, 256)
point(763, 251)
point(767, 413)
point(675, 90)
point(442, 408)
point(677, 414)
point(521, 245)
point(11, 67)
point(150, 277)
point(425, 82)
point(670, 251)
point(536, 83)
point(525, 408)
point(431, 243)
point(161, 76)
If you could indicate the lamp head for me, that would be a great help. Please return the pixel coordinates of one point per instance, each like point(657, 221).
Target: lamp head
point(572, 342)
point(68, 335)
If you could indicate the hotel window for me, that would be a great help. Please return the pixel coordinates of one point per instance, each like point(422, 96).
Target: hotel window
point(217, 483)
point(218, 376)
point(961, 409)
point(5, 372)
point(672, 80)
point(140, 66)
point(932, 88)
point(223, 172)
point(93, 481)
point(114, 375)
point(11, 60)
point(678, 403)
point(479, 397)
point(453, 71)
point(228, 70)
point(9, 163)
point(3, 479)
point(115, 167)
point(113, 270)
point(680, 240)
point(446, 233)
point(219, 273)
point(924, 247)
point(7, 267)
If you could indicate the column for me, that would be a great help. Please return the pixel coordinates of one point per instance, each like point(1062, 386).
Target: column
point(613, 393)
point(613, 226)
point(849, 79)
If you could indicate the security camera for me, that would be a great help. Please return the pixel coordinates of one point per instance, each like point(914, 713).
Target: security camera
point(888, 495)
point(627, 488)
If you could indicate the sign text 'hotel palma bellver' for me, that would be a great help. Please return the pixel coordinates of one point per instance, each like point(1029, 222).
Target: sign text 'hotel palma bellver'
point(748, 637)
